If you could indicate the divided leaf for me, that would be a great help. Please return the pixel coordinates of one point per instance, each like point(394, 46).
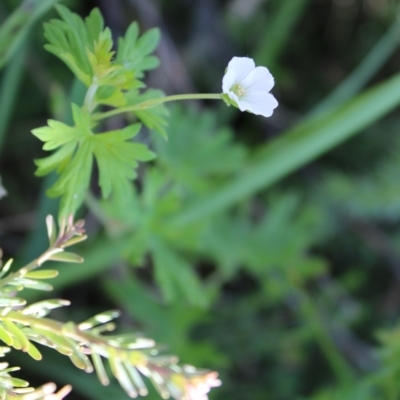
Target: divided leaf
point(116, 156)
point(134, 52)
point(175, 276)
point(199, 153)
point(71, 37)
point(86, 48)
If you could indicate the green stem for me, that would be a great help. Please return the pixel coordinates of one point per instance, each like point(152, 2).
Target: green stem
point(60, 329)
point(89, 102)
point(156, 102)
point(23, 271)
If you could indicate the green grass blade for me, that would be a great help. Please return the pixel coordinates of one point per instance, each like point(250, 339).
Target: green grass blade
point(374, 60)
point(17, 25)
point(280, 30)
point(300, 145)
point(9, 88)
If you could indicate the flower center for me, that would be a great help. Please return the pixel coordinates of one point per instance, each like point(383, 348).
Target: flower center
point(238, 90)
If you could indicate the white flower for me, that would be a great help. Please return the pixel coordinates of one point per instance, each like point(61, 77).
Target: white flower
point(248, 86)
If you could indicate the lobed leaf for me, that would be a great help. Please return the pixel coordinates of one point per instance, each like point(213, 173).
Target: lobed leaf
point(175, 276)
point(117, 158)
point(71, 37)
point(134, 51)
point(115, 154)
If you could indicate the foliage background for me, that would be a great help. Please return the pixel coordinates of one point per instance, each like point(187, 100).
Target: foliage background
point(295, 290)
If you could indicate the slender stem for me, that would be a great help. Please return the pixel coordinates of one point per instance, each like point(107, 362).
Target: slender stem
point(58, 328)
point(89, 102)
point(24, 270)
point(156, 102)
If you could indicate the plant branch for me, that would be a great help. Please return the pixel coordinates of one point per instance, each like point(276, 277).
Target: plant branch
point(156, 102)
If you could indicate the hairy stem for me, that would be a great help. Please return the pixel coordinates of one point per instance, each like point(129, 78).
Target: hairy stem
point(156, 102)
point(89, 102)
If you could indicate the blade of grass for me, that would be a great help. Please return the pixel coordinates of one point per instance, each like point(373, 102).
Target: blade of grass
point(300, 145)
point(280, 29)
point(9, 89)
point(17, 25)
point(370, 65)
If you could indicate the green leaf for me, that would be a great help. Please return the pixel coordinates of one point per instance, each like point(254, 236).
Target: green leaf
point(108, 73)
point(12, 302)
point(73, 182)
point(68, 41)
point(86, 48)
point(81, 361)
point(61, 344)
point(123, 377)
point(117, 158)
point(175, 276)
point(133, 51)
point(34, 352)
point(31, 284)
point(5, 336)
point(42, 308)
point(198, 153)
point(94, 25)
point(17, 333)
point(66, 256)
point(71, 38)
point(19, 382)
point(42, 274)
point(98, 319)
point(57, 134)
point(100, 370)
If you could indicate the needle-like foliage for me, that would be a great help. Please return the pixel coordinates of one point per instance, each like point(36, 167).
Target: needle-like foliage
point(89, 345)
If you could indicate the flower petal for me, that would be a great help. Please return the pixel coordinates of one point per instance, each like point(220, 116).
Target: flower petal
point(259, 103)
point(242, 66)
point(228, 80)
point(259, 79)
